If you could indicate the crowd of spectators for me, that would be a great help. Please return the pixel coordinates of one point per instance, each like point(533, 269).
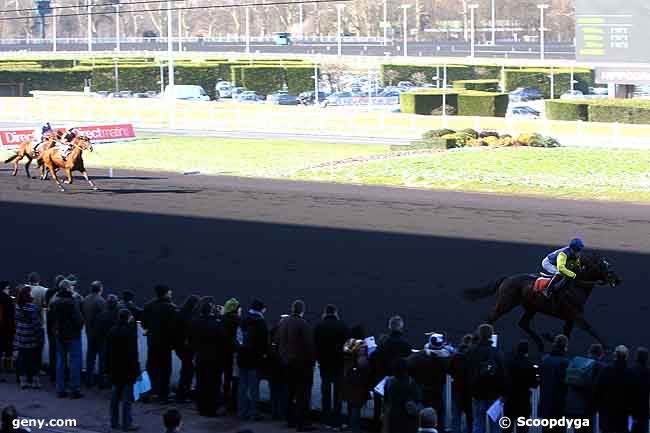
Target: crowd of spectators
point(225, 351)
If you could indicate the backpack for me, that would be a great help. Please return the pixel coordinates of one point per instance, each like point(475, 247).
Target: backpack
point(580, 371)
point(488, 372)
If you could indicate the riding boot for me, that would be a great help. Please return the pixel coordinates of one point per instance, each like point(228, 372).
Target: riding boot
point(551, 286)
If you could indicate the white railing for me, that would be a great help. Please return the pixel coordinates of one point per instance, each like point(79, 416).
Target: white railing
point(239, 39)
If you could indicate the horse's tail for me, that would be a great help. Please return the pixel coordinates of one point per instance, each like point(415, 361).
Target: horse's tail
point(11, 158)
point(490, 289)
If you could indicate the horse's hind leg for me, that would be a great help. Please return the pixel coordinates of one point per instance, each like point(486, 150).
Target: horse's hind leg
point(584, 325)
point(29, 161)
point(90, 182)
point(524, 323)
point(18, 158)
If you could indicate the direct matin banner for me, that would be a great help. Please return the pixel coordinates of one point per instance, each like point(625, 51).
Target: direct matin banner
point(613, 31)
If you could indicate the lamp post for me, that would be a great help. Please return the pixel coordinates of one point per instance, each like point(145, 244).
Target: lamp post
point(494, 24)
point(472, 9)
point(302, 21)
point(404, 28)
point(542, 8)
point(248, 29)
point(180, 31)
point(117, 25)
point(117, 75)
point(53, 27)
point(170, 48)
point(339, 11)
point(385, 22)
point(89, 29)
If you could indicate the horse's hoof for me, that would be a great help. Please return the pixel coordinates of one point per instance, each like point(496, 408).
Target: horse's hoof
point(95, 188)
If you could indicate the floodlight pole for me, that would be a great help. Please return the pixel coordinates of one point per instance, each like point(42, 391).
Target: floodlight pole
point(90, 27)
point(117, 26)
point(542, 8)
point(339, 10)
point(404, 28)
point(170, 48)
point(53, 5)
point(472, 9)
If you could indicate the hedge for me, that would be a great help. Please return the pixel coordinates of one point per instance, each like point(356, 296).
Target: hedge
point(485, 104)
point(262, 79)
point(486, 85)
point(454, 72)
point(47, 79)
point(300, 79)
point(539, 78)
point(567, 110)
point(425, 102)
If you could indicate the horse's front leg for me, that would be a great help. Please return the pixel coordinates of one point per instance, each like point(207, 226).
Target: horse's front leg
point(582, 323)
point(68, 174)
point(55, 178)
point(90, 182)
point(29, 161)
point(18, 158)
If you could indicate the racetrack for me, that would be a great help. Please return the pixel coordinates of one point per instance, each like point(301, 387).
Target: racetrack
point(374, 251)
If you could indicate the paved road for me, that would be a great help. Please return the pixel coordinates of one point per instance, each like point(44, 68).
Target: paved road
point(373, 251)
point(430, 48)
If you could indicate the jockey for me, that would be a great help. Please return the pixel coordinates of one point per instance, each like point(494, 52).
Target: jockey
point(561, 263)
point(64, 144)
point(41, 135)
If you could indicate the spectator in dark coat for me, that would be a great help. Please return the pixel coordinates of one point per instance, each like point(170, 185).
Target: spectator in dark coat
point(128, 301)
point(159, 323)
point(402, 401)
point(172, 420)
point(613, 388)
point(461, 397)
point(580, 403)
point(28, 340)
point(67, 321)
point(51, 338)
point(428, 421)
point(553, 389)
point(357, 381)
point(183, 349)
point(522, 379)
point(207, 340)
point(429, 370)
point(277, 377)
point(105, 321)
point(296, 347)
point(389, 350)
point(252, 355)
point(231, 320)
point(91, 307)
point(330, 335)
point(487, 376)
point(640, 391)
point(123, 368)
point(7, 327)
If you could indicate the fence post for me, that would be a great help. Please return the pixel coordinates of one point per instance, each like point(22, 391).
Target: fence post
point(477, 123)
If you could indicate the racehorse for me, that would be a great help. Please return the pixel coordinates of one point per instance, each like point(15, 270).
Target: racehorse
point(52, 160)
point(567, 305)
point(26, 150)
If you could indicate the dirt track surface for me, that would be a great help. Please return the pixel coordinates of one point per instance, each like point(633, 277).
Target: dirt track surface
point(372, 251)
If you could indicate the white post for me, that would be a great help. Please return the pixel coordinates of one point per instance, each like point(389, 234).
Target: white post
point(552, 84)
point(315, 85)
point(465, 36)
point(339, 9)
point(472, 8)
point(444, 96)
point(385, 23)
point(162, 77)
point(53, 27)
point(248, 30)
point(117, 76)
point(369, 88)
point(302, 21)
point(494, 24)
point(572, 79)
point(117, 27)
point(170, 47)
point(405, 29)
point(90, 27)
point(542, 8)
point(180, 31)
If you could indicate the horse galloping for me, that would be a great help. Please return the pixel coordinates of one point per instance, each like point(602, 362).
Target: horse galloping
point(568, 305)
point(53, 160)
point(26, 150)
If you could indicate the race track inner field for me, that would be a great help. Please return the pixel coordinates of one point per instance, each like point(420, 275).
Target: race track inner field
point(373, 251)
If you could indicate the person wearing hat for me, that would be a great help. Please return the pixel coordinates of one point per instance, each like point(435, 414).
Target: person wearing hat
point(231, 321)
point(253, 351)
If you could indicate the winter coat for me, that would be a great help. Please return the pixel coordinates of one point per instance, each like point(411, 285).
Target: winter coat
point(296, 342)
point(478, 357)
point(207, 340)
point(389, 350)
point(356, 380)
point(580, 401)
point(65, 313)
point(396, 395)
point(230, 322)
point(91, 307)
point(7, 322)
point(330, 334)
point(122, 362)
point(29, 328)
point(158, 319)
point(428, 371)
point(522, 376)
point(136, 311)
point(640, 390)
point(255, 341)
point(104, 322)
point(552, 393)
point(613, 388)
point(458, 372)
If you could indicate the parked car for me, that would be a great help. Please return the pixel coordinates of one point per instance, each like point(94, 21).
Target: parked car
point(282, 99)
point(224, 89)
point(334, 98)
point(250, 96)
point(307, 98)
point(405, 85)
point(187, 92)
point(600, 91)
point(237, 92)
point(523, 111)
point(523, 94)
point(572, 94)
point(389, 94)
point(282, 38)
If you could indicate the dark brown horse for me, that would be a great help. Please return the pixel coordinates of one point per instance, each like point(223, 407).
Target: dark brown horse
point(567, 305)
point(53, 160)
point(26, 150)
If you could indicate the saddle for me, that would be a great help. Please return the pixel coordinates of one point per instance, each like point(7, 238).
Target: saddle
point(541, 283)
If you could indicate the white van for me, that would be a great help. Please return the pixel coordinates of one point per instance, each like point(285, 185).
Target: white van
point(187, 93)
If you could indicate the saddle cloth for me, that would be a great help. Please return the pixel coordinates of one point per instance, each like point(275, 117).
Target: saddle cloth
point(540, 284)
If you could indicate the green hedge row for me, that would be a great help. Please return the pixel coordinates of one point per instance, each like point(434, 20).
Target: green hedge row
point(598, 110)
point(464, 103)
point(485, 85)
point(454, 72)
point(539, 78)
point(47, 79)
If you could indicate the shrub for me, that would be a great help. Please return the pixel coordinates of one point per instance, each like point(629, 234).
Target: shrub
point(300, 78)
point(488, 133)
point(47, 79)
point(624, 111)
point(538, 78)
point(536, 140)
point(473, 103)
point(460, 138)
point(470, 131)
point(486, 85)
point(567, 110)
point(454, 72)
point(426, 102)
point(437, 133)
point(262, 79)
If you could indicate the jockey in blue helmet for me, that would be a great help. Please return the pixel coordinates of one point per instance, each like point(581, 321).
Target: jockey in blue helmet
point(561, 264)
point(40, 136)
